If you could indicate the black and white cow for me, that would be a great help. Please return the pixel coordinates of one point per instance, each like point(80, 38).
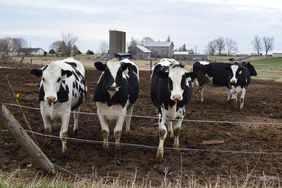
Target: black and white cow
point(216, 74)
point(62, 90)
point(171, 90)
point(115, 94)
point(239, 79)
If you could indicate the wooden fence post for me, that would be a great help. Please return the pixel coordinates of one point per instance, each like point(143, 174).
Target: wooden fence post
point(24, 140)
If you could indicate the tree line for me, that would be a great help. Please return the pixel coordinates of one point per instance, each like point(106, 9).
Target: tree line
point(218, 45)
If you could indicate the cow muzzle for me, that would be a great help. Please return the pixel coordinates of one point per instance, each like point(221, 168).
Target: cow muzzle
point(176, 98)
point(51, 99)
point(233, 81)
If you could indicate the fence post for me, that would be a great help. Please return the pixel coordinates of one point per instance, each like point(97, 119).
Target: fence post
point(23, 139)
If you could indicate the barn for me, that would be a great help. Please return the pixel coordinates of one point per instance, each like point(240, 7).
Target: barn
point(160, 49)
point(140, 52)
point(31, 52)
point(180, 55)
point(277, 53)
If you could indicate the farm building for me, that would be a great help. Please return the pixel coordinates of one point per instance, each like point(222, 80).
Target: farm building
point(31, 52)
point(160, 49)
point(117, 42)
point(140, 52)
point(198, 57)
point(180, 55)
point(277, 53)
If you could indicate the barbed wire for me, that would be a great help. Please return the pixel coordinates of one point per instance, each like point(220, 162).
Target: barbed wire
point(155, 117)
point(79, 140)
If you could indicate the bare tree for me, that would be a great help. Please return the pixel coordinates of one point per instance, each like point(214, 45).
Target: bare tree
point(17, 43)
point(231, 45)
point(212, 47)
point(5, 45)
point(133, 42)
point(257, 45)
point(56, 46)
point(220, 43)
point(69, 41)
point(104, 47)
point(147, 39)
point(268, 44)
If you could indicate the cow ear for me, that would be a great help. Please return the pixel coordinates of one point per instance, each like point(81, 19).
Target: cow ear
point(99, 66)
point(163, 72)
point(36, 72)
point(244, 63)
point(124, 66)
point(191, 75)
point(66, 73)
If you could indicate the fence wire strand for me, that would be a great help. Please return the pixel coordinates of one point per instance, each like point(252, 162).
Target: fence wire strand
point(156, 118)
point(79, 140)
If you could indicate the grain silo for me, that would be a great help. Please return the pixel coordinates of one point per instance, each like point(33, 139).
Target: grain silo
point(117, 42)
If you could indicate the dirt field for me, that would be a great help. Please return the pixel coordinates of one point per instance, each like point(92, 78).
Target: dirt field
point(263, 104)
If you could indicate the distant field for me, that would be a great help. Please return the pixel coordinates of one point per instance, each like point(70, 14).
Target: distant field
point(268, 68)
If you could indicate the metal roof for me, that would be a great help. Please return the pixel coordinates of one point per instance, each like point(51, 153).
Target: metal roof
point(143, 49)
point(157, 44)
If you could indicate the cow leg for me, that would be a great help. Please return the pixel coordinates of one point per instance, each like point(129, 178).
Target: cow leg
point(47, 127)
point(128, 118)
point(75, 118)
point(201, 93)
point(64, 130)
point(177, 128)
point(162, 136)
point(229, 95)
point(242, 98)
point(170, 129)
point(105, 130)
point(118, 129)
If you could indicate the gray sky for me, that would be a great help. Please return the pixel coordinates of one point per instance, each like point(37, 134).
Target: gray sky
point(189, 22)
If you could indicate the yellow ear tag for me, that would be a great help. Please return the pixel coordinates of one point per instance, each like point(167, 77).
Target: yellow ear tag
point(18, 96)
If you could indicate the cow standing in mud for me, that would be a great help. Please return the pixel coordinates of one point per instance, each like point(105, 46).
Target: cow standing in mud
point(170, 93)
point(115, 94)
point(62, 90)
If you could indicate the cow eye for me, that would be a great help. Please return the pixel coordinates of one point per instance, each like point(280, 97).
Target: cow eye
point(59, 79)
point(43, 79)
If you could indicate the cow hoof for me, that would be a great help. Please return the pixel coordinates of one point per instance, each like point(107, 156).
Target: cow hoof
point(160, 154)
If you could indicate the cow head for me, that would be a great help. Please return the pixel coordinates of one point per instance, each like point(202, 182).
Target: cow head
point(178, 79)
point(234, 72)
point(112, 75)
point(51, 81)
point(250, 67)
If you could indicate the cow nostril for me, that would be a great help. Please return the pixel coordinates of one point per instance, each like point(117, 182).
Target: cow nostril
point(176, 97)
point(51, 99)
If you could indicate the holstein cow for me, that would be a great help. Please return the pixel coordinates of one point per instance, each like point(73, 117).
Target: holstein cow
point(239, 79)
point(62, 90)
point(217, 74)
point(115, 94)
point(170, 92)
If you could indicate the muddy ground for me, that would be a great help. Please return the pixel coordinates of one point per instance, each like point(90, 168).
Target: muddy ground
point(263, 104)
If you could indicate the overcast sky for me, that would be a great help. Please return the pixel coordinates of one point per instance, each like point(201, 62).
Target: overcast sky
point(189, 22)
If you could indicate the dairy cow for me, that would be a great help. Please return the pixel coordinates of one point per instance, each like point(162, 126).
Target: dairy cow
point(216, 74)
point(115, 94)
point(239, 79)
point(170, 93)
point(62, 90)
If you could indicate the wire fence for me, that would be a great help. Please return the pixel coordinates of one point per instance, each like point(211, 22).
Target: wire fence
point(156, 118)
point(151, 147)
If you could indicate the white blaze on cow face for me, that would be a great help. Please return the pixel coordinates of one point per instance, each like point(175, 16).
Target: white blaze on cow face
point(51, 81)
point(114, 66)
point(176, 76)
point(234, 69)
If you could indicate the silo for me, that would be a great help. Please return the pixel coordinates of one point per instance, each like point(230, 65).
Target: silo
point(117, 42)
